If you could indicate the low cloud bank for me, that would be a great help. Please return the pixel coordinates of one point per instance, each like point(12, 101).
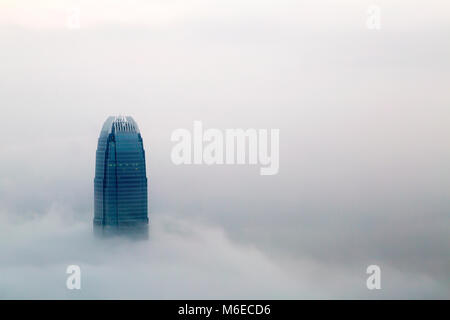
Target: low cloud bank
point(182, 259)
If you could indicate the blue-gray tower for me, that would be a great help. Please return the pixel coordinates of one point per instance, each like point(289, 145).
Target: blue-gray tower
point(120, 184)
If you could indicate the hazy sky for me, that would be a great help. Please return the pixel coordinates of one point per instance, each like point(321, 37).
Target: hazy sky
point(364, 119)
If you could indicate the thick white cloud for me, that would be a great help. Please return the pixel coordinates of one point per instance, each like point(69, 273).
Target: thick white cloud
point(182, 259)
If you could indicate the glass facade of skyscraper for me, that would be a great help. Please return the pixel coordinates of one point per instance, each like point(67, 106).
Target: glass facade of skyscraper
point(120, 183)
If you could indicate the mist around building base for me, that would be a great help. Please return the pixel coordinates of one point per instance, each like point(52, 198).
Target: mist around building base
point(134, 231)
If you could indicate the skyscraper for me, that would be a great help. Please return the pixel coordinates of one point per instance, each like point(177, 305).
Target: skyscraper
point(120, 183)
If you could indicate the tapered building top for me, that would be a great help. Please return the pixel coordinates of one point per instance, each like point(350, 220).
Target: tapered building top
point(120, 183)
